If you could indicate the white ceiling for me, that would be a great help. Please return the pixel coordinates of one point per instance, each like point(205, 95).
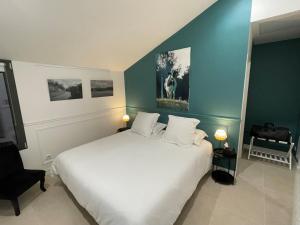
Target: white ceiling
point(278, 28)
point(264, 9)
point(111, 34)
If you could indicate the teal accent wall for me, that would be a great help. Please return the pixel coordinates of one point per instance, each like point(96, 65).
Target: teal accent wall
point(274, 86)
point(219, 40)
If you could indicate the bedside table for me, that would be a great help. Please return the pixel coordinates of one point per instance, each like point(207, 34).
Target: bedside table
point(226, 156)
point(122, 129)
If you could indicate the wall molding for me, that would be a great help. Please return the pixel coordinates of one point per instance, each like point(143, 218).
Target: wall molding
point(48, 138)
point(238, 119)
point(209, 123)
point(89, 115)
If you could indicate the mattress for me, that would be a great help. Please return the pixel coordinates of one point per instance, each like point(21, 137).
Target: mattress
point(128, 179)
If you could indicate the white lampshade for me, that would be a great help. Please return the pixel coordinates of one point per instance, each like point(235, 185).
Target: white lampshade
point(126, 118)
point(221, 135)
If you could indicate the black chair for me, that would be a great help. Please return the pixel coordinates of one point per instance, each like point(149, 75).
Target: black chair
point(14, 179)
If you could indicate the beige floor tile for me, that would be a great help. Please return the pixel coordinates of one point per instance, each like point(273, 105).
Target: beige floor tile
point(252, 173)
point(5, 209)
point(226, 216)
point(206, 195)
point(296, 200)
point(281, 198)
point(209, 186)
point(199, 211)
point(52, 212)
point(277, 214)
point(279, 179)
point(27, 217)
point(246, 200)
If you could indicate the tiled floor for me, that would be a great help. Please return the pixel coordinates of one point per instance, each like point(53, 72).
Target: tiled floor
point(265, 194)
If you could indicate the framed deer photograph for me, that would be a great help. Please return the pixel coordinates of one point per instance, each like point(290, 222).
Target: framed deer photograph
point(172, 79)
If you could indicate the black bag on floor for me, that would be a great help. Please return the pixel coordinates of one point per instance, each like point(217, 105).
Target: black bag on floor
point(269, 131)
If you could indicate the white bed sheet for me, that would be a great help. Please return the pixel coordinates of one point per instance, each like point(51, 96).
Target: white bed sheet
point(128, 179)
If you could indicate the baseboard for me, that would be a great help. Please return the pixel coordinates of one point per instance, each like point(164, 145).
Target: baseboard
point(246, 146)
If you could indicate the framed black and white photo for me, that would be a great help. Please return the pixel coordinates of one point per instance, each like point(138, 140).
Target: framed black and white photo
point(64, 89)
point(172, 79)
point(102, 88)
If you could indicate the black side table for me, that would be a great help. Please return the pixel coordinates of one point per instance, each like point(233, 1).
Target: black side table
point(225, 156)
point(123, 129)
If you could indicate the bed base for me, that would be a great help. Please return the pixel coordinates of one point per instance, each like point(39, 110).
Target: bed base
point(271, 154)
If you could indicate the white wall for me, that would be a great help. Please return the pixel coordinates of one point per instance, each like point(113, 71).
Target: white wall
point(263, 9)
point(52, 127)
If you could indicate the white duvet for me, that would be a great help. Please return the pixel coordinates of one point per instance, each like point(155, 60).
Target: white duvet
point(128, 179)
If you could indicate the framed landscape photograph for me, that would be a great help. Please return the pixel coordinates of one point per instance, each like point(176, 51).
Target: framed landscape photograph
point(102, 88)
point(172, 79)
point(64, 89)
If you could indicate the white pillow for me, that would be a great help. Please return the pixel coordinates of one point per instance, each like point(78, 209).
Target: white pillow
point(144, 123)
point(158, 128)
point(181, 130)
point(199, 136)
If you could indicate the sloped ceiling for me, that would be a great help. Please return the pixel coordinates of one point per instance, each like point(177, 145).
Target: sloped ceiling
point(278, 28)
point(111, 34)
point(265, 9)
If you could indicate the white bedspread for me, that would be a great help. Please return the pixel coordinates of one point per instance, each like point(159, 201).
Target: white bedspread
point(127, 179)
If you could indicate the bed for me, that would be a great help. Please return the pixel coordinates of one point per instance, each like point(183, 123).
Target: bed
point(128, 179)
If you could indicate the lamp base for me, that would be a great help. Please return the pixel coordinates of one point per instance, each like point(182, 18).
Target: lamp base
point(222, 177)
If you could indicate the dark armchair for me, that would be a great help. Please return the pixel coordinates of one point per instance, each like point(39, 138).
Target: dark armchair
point(14, 179)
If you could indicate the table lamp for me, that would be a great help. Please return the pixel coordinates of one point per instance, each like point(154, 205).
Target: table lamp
point(221, 135)
point(126, 118)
